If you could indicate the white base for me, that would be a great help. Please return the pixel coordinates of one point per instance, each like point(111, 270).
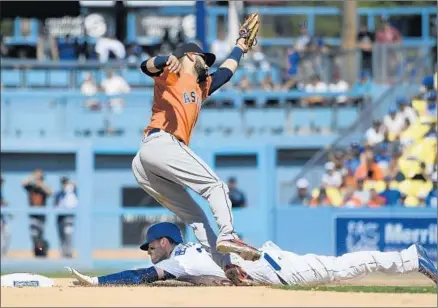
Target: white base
point(18, 280)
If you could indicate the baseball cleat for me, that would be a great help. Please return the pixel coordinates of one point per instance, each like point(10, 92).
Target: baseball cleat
point(238, 276)
point(83, 280)
point(425, 265)
point(239, 247)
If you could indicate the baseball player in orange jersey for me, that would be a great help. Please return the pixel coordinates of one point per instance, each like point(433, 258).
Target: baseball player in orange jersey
point(165, 165)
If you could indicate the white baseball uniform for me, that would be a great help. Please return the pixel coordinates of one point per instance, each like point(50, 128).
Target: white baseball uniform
point(277, 266)
point(190, 260)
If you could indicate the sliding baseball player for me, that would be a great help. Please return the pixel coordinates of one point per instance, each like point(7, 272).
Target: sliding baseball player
point(279, 267)
point(171, 259)
point(192, 263)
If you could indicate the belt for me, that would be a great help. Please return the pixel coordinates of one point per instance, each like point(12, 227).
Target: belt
point(157, 130)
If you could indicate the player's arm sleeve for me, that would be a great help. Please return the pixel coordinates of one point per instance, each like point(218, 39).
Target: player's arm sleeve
point(154, 67)
point(134, 277)
point(219, 78)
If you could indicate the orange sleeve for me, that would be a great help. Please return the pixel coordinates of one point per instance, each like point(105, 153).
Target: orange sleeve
point(162, 78)
point(379, 173)
point(360, 172)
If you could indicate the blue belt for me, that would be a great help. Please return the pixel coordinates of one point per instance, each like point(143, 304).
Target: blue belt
point(275, 266)
point(157, 130)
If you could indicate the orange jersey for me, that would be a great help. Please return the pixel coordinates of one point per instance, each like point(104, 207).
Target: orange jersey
point(177, 103)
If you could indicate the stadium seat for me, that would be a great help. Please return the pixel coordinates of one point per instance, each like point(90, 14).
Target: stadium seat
point(10, 78)
point(36, 78)
point(59, 78)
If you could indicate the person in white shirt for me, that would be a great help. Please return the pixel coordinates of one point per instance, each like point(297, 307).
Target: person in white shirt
point(280, 267)
point(115, 85)
point(376, 133)
point(407, 111)
point(89, 88)
point(315, 86)
point(105, 45)
point(332, 177)
point(394, 122)
point(339, 86)
point(171, 259)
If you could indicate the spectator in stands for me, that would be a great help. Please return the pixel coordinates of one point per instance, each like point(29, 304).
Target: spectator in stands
point(360, 196)
point(245, 86)
point(315, 86)
point(237, 197)
point(302, 195)
point(135, 53)
point(321, 199)
point(369, 169)
point(365, 40)
point(376, 133)
point(47, 48)
point(66, 198)
point(267, 84)
point(67, 48)
point(109, 47)
point(406, 110)
point(89, 88)
point(115, 85)
point(4, 231)
point(431, 99)
point(38, 192)
point(220, 46)
point(431, 200)
point(375, 199)
point(293, 63)
point(362, 87)
point(167, 45)
point(352, 161)
point(388, 34)
point(332, 177)
point(4, 50)
point(382, 156)
point(394, 165)
point(394, 122)
point(338, 85)
point(82, 50)
point(303, 40)
point(392, 196)
point(427, 85)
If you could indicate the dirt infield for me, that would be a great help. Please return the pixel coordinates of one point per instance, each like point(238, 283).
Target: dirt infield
point(64, 295)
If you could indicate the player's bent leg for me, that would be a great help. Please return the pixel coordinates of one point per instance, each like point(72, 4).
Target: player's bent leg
point(170, 159)
point(175, 198)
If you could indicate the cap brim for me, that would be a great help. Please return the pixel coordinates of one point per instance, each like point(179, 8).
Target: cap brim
point(210, 58)
point(145, 246)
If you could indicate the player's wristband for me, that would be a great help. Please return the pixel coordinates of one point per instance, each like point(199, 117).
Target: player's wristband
point(160, 62)
point(236, 54)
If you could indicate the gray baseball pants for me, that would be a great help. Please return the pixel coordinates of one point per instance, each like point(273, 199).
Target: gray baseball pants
point(164, 167)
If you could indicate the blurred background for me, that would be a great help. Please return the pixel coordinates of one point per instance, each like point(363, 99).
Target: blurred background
point(326, 135)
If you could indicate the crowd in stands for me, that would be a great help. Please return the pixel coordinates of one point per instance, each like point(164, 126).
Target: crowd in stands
point(395, 164)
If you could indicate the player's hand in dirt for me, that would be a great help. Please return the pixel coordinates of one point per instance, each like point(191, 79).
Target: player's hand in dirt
point(173, 64)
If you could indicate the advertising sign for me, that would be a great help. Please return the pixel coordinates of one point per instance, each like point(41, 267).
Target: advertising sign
point(385, 234)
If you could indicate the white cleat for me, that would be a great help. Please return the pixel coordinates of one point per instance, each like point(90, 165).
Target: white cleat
point(83, 280)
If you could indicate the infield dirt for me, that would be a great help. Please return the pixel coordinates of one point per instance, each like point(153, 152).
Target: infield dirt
point(65, 295)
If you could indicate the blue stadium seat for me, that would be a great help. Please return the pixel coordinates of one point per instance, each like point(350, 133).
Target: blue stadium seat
point(36, 78)
point(59, 78)
point(10, 78)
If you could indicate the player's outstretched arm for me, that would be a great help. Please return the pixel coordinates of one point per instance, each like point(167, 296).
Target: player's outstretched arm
point(154, 66)
point(135, 277)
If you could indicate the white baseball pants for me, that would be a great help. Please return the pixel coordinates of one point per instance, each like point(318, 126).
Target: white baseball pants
point(312, 269)
point(164, 167)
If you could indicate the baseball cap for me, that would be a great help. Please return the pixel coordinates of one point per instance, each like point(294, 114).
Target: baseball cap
point(302, 183)
point(402, 100)
point(160, 230)
point(392, 109)
point(428, 82)
point(192, 47)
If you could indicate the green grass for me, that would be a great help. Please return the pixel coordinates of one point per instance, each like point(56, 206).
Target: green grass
point(364, 289)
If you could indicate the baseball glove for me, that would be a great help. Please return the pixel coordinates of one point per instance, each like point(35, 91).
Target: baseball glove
point(249, 29)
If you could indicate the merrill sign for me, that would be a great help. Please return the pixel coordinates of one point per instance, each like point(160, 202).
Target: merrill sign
point(398, 234)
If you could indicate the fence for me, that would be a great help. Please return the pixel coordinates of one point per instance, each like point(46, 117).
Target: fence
point(300, 229)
